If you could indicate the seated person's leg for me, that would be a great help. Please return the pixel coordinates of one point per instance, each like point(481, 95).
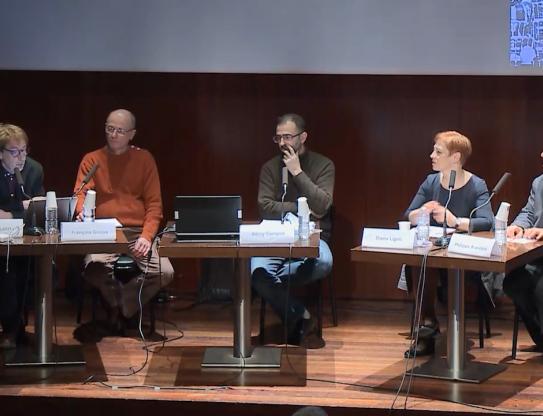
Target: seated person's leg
point(99, 274)
point(311, 270)
point(428, 324)
point(520, 285)
point(9, 310)
point(267, 284)
point(159, 274)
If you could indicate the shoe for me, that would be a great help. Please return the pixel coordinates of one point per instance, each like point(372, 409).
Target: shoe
point(424, 346)
point(302, 328)
point(8, 342)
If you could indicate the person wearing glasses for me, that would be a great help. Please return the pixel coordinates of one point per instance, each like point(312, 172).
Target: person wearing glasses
point(13, 202)
point(127, 187)
point(311, 175)
point(450, 152)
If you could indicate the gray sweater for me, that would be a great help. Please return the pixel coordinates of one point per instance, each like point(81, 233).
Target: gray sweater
point(463, 200)
point(316, 183)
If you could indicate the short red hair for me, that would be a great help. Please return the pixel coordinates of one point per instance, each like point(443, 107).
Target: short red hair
point(455, 142)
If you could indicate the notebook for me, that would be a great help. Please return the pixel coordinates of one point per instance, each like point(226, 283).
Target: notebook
point(207, 218)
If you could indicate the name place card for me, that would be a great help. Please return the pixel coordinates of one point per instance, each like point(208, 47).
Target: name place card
point(472, 246)
point(267, 233)
point(87, 231)
point(388, 238)
point(12, 227)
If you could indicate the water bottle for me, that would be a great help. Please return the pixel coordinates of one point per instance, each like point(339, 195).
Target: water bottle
point(500, 227)
point(500, 224)
point(303, 218)
point(51, 222)
point(89, 206)
point(423, 227)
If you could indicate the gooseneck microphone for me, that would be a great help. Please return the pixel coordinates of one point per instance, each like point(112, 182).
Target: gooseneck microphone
point(284, 184)
point(21, 182)
point(87, 178)
point(444, 240)
point(496, 189)
point(32, 228)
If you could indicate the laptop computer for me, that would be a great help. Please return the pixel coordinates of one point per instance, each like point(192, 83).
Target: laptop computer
point(65, 211)
point(207, 218)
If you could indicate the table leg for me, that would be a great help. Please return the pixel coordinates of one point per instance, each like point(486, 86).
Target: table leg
point(242, 355)
point(45, 352)
point(455, 366)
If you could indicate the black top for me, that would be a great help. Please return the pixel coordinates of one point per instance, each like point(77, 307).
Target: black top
point(11, 195)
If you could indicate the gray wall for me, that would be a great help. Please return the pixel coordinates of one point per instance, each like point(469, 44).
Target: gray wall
point(258, 36)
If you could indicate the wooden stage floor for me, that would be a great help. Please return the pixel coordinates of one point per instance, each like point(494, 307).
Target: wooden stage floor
point(357, 372)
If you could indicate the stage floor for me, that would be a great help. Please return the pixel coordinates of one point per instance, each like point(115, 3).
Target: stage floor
point(358, 371)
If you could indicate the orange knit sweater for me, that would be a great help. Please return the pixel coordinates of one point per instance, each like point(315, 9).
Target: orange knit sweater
point(127, 188)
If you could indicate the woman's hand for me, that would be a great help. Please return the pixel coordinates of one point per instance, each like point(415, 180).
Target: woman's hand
point(439, 216)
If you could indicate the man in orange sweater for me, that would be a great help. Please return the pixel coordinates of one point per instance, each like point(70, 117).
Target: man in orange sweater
point(127, 188)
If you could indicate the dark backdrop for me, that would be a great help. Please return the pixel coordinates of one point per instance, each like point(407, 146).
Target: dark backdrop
point(210, 133)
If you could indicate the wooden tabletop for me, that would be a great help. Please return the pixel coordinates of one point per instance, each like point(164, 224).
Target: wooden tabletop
point(169, 247)
point(38, 245)
point(514, 256)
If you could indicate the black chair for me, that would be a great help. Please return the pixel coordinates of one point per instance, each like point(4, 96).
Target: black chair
point(319, 288)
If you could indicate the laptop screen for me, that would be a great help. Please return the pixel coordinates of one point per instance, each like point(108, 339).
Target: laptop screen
point(207, 218)
point(65, 211)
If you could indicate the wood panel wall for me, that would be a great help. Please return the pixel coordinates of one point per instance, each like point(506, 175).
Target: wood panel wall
point(210, 133)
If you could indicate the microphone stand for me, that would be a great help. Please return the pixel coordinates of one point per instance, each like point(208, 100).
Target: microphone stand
point(31, 229)
point(444, 240)
point(470, 227)
point(283, 203)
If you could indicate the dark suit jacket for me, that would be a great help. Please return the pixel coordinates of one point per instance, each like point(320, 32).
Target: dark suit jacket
point(32, 174)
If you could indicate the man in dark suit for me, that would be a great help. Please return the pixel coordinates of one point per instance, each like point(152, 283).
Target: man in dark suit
point(525, 284)
point(13, 202)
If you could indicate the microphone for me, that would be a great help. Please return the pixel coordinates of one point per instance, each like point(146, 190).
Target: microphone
point(443, 241)
point(21, 182)
point(31, 229)
point(87, 178)
point(495, 190)
point(284, 177)
point(284, 184)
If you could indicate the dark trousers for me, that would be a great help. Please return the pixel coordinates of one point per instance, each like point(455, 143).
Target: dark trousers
point(525, 287)
point(14, 288)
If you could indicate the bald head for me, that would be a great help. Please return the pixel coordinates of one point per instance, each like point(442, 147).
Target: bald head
point(120, 130)
point(125, 115)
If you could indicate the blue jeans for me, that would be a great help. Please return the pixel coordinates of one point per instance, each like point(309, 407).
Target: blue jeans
point(270, 276)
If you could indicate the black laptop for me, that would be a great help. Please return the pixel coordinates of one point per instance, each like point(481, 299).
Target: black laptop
point(207, 218)
point(36, 208)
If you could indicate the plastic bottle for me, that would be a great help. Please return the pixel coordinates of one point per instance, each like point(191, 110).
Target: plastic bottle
point(51, 222)
point(303, 218)
point(89, 206)
point(500, 224)
point(423, 228)
point(51, 219)
point(500, 227)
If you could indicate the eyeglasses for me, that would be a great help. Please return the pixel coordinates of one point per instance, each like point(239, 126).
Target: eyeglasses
point(16, 152)
point(119, 130)
point(286, 137)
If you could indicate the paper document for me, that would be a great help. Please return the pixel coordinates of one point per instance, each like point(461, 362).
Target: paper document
point(113, 221)
point(520, 240)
